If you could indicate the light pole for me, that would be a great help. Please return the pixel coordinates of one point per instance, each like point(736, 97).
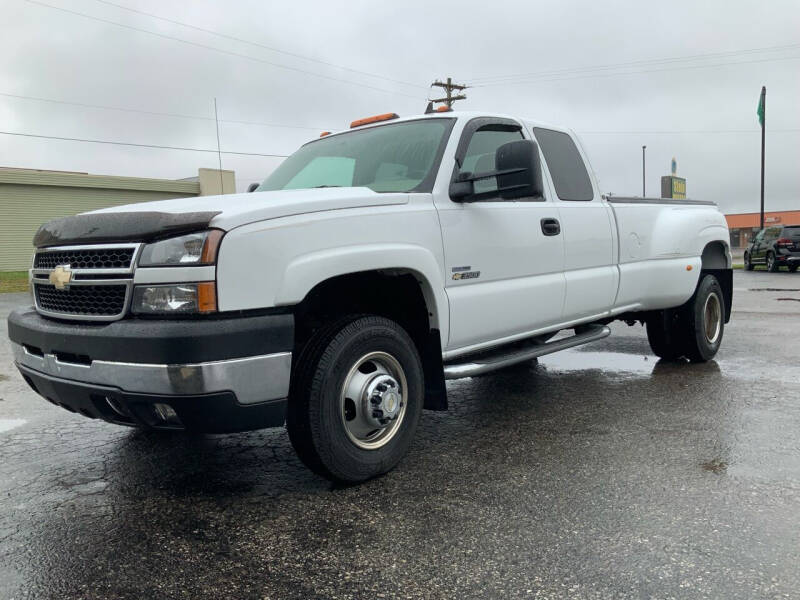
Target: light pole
point(643, 163)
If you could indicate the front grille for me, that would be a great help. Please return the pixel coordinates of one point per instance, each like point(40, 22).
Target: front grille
point(85, 258)
point(88, 300)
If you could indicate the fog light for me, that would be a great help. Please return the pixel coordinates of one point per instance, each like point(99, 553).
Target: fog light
point(166, 415)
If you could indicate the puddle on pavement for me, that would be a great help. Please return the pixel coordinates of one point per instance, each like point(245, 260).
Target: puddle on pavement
point(9, 424)
point(572, 360)
point(773, 289)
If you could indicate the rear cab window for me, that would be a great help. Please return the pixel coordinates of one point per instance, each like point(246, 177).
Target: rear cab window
point(567, 169)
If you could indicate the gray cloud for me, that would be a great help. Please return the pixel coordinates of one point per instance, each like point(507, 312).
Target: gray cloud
point(52, 54)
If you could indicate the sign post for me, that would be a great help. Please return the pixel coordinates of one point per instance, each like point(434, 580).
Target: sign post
point(673, 186)
point(762, 119)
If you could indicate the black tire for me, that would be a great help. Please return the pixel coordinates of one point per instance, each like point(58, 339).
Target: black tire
point(747, 264)
point(792, 268)
point(314, 419)
point(772, 264)
point(664, 334)
point(681, 332)
point(703, 334)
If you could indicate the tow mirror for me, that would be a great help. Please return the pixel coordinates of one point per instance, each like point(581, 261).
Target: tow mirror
point(462, 187)
point(252, 187)
point(519, 173)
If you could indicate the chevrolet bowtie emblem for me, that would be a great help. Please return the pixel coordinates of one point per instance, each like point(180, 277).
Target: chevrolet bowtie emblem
point(60, 277)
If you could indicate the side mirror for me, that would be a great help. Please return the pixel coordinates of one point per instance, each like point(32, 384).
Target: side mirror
point(462, 187)
point(519, 173)
point(252, 187)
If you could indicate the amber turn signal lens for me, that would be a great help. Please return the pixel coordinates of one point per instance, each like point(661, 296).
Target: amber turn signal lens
point(211, 246)
point(206, 297)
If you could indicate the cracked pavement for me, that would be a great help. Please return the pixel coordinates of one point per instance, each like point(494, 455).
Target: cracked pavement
point(595, 473)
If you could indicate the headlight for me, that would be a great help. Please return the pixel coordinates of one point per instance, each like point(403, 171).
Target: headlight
point(179, 298)
point(193, 249)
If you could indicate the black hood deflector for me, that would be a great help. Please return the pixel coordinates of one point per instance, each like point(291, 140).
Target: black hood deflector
point(110, 227)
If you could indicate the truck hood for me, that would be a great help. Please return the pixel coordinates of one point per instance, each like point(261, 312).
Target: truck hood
point(148, 220)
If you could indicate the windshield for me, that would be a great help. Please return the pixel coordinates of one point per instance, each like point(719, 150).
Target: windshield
point(400, 157)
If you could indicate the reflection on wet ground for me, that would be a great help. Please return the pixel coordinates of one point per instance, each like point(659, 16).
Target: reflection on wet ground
point(598, 472)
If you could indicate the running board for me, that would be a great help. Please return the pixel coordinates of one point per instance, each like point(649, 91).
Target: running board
point(503, 359)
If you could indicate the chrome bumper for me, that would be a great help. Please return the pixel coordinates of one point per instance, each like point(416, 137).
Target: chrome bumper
point(252, 379)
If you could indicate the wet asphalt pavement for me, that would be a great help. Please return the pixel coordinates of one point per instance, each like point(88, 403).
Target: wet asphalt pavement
point(596, 473)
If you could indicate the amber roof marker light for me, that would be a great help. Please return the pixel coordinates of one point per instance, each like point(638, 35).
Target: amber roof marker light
point(375, 119)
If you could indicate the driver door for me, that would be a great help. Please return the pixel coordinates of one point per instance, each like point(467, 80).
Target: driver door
point(504, 259)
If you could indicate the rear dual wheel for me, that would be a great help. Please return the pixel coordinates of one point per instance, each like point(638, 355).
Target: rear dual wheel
point(356, 398)
point(693, 330)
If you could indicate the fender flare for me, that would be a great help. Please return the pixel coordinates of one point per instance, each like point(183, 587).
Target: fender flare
point(307, 271)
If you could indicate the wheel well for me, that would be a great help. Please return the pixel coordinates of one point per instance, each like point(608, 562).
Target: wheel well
point(716, 256)
point(716, 261)
point(396, 295)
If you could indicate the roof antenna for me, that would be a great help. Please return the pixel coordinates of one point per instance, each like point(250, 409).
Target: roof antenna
point(429, 108)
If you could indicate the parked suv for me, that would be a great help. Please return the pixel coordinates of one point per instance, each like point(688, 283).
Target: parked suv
point(774, 247)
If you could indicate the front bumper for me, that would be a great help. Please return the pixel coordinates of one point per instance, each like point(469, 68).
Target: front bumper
point(214, 375)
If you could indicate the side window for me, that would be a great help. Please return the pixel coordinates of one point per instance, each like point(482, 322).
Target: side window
point(479, 156)
point(566, 165)
point(759, 236)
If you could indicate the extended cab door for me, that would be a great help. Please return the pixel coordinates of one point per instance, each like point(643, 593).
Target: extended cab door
point(587, 226)
point(503, 259)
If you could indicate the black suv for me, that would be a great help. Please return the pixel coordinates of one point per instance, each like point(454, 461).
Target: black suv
point(774, 247)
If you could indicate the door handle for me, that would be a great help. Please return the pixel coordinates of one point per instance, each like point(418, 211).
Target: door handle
point(551, 226)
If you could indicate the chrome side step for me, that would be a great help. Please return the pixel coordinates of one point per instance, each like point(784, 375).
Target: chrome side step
point(502, 359)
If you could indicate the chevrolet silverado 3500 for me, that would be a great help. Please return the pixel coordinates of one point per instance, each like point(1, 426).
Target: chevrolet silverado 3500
point(368, 268)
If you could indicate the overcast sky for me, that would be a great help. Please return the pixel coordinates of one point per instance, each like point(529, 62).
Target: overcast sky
point(593, 66)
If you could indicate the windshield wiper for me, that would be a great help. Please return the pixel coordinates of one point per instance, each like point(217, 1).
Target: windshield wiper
point(324, 186)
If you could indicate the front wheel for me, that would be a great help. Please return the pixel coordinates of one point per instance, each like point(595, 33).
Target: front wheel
point(356, 399)
point(748, 265)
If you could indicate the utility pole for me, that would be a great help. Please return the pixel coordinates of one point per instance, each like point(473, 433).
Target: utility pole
point(643, 186)
point(219, 150)
point(448, 87)
point(762, 114)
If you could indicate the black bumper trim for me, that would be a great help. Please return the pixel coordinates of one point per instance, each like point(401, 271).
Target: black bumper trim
point(155, 341)
point(207, 413)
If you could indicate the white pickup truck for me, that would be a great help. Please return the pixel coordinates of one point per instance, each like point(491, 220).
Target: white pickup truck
point(369, 267)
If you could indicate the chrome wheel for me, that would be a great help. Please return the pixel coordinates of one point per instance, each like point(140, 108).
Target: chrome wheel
point(712, 318)
point(373, 400)
point(770, 262)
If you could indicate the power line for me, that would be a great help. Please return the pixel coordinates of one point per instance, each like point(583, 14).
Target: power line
point(220, 50)
point(156, 113)
point(258, 45)
point(600, 75)
point(687, 132)
point(497, 78)
point(71, 139)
